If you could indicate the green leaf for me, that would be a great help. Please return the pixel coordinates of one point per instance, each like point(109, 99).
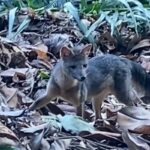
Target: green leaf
point(22, 26)
point(53, 120)
point(142, 14)
point(74, 12)
point(136, 2)
point(131, 12)
point(83, 4)
point(44, 75)
point(75, 124)
point(112, 20)
point(6, 147)
point(95, 24)
point(11, 20)
point(141, 17)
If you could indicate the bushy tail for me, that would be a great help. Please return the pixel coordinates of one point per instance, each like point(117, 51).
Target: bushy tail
point(140, 75)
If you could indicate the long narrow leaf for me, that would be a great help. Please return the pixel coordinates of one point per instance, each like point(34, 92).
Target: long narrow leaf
point(140, 17)
point(141, 8)
point(147, 12)
point(136, 2)
point(131, 12)
point(74, 12)
point(113, 22)
point(12, 13)
point(95, 24)
point(143, 14)
point(22, 26)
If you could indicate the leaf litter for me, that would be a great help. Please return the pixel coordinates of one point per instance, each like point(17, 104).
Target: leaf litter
point(28, 52)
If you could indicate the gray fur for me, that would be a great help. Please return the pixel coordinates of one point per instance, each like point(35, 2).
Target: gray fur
point(104, 75)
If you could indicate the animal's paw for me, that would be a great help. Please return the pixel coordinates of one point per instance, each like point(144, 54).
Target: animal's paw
point(99, 123)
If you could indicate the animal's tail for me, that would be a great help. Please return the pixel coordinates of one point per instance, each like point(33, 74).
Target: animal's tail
point(140, 75)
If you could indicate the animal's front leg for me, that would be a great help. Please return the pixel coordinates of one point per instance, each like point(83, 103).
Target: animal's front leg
point(50, 94)
point(80, 110)
point(97, 108)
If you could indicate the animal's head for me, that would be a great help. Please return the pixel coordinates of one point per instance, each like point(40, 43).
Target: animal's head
point(75, 61)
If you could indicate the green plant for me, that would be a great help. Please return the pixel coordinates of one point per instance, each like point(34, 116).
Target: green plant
point(115, 12)
point(12, 14)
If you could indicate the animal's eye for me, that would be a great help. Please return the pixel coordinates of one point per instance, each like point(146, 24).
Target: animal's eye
point(85, 65)
point(73, 67)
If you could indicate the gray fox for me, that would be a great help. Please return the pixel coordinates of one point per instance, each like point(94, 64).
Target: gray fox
point(76, 78)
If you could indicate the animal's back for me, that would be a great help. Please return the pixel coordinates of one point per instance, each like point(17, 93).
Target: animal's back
point(108, 63)
point(102, 72)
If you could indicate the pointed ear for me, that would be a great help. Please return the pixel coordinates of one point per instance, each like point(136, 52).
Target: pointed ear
point(65, 52)
point(86, 50)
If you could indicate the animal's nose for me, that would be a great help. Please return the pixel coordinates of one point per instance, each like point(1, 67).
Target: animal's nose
point(83, 78)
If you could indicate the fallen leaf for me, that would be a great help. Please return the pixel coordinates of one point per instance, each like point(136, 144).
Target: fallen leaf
point(55, 42)
point(7, 137)
point(60, 144)
point(134, 123)
point(51, 125)
point(136, 112)
point(134, 141)
point(74, 124)
point(18, 59)
point(36, 141)
point(45, 145)
point(14, 113)
point(11, 96)
point(42, 51)
point(141, 45)
point(145, 62)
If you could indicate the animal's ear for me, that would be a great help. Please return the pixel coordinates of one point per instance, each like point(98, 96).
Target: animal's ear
point(86, 50)
point(65, 52)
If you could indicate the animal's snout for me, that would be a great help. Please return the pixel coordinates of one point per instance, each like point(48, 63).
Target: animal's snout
point(82, 78)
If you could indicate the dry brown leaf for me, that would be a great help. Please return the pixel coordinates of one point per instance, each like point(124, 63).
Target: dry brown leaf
point(139, 125)
point(36, 141)
point(61, 144)
point(108, 41)
point(142, 44)
point(11, 96)
point(42, 51)
point(136, 112)
point(104, 134)
point(41, 64)
point(56, 16)
point(9, 73)
point(18, 60)
point(134, 142)
point(33, 129)
point(134, 39)
point(65, 107)
point(7, 137)
point(145, 62)
point(15, 74)
point(15, 113)
point(7, 48)
point(55, 42)
point(55, 109)
point(45, 145)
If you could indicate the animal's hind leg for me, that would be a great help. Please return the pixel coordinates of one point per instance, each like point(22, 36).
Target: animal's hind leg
point(97, 103)
point(123, 88)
